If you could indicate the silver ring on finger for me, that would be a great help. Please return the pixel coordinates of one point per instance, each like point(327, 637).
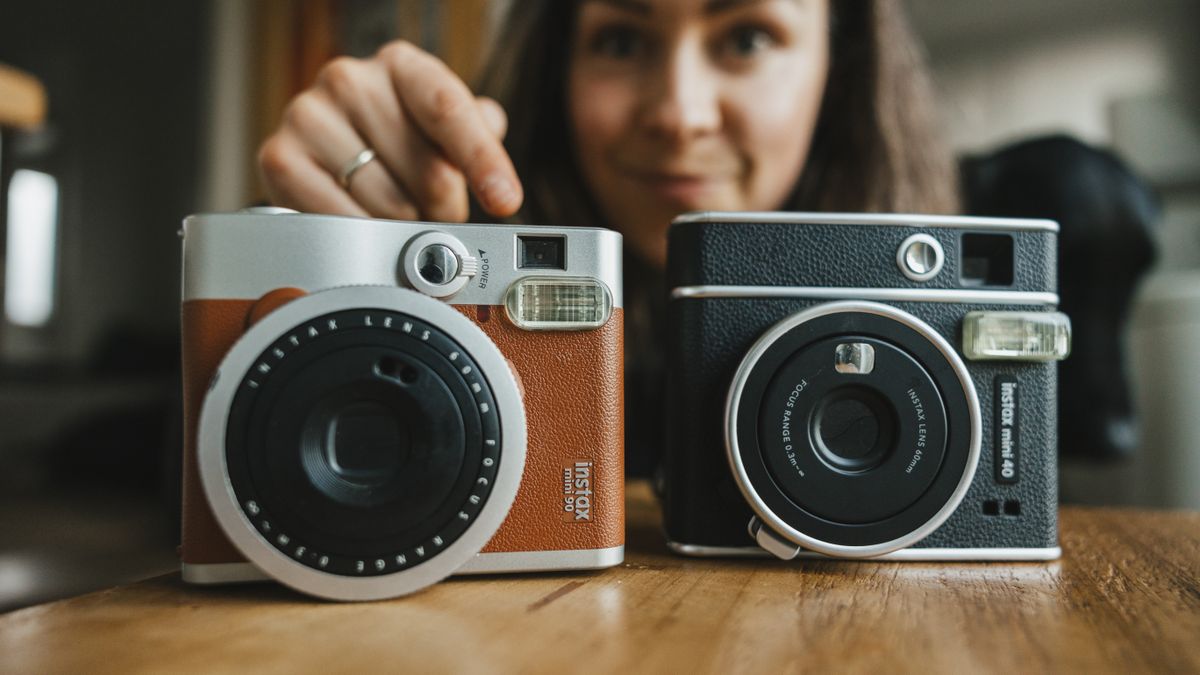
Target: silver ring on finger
point(357, 162)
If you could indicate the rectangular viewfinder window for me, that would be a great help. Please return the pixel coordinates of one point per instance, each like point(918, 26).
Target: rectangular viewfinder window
point(987, 260)
point(541, 253)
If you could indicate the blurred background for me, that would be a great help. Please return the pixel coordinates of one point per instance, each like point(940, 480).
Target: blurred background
point(120, 118)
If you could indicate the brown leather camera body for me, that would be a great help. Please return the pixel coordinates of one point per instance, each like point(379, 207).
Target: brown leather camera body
point(568, 511)
point(573, 396)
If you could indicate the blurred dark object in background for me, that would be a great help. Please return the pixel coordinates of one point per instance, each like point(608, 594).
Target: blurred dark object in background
point(89, 391)
point(1106, 244)
point(131, 447)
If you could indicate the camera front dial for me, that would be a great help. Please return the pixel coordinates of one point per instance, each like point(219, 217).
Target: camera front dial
point(852, 429)
point(362, 443)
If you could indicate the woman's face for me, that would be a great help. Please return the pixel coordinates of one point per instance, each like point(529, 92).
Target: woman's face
point(684, 105)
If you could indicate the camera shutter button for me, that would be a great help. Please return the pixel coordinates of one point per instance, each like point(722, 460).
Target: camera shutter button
point(437, 264)
point(920, 257)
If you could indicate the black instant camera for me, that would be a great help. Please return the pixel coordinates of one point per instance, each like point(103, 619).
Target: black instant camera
point(863, 385)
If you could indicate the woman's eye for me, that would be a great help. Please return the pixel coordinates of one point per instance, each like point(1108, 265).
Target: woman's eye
point(747, 41)
point(618, 42)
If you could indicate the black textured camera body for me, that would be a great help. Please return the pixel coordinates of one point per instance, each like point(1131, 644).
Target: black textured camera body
point(734, 276)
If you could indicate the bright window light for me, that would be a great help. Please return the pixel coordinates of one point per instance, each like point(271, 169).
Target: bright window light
point(32, 236)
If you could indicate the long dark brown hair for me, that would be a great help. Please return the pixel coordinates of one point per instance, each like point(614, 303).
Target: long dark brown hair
point(875, 147)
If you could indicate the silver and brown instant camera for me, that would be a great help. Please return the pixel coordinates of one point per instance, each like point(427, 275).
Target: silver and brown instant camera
point(373, 405)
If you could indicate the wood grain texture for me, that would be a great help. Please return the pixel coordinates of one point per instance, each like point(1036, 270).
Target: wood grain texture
point(1124, 598)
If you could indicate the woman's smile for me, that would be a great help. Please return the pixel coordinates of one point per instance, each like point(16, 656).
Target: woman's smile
point(681, 187)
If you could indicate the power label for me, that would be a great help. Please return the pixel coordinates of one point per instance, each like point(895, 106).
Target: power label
point(1007, 423)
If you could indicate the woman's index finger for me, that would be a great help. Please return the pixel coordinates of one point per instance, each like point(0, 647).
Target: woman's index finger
point(446, 111)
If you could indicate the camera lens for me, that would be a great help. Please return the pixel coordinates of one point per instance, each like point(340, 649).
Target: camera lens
point(363, 442)
point(361, 462)
point(852, 456)
point(853, 428)
point(353, 447)
point(851, 448)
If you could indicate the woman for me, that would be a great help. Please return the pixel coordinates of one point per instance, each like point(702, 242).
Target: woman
point(623, 114)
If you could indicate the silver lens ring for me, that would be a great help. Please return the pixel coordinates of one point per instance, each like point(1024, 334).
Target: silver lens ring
point(214, 420)
point(734, 454)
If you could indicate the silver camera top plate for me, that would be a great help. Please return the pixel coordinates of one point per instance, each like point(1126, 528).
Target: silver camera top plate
point(245, 255)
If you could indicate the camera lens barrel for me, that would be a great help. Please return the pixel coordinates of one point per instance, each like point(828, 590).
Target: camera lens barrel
point(362, 443)
point(852, 428)
point(353, 464)
point(851, 448)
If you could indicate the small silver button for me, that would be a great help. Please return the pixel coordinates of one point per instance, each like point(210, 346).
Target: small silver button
point(437, 264)
point(920, 257)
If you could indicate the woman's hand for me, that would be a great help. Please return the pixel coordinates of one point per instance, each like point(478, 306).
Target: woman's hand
point(432, 137)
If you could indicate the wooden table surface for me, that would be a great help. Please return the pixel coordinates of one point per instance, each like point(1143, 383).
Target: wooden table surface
point(1125, 597)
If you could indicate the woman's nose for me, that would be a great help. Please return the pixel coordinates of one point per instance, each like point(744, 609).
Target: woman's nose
point(683, 98)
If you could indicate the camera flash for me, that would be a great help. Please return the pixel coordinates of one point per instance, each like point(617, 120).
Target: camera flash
point(1016, 336)
point(558, 303)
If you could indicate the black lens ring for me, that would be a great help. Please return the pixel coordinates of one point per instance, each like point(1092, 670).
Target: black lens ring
point(816, 484)
point(842, 323)
point(310, 341)
point(281, 476)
